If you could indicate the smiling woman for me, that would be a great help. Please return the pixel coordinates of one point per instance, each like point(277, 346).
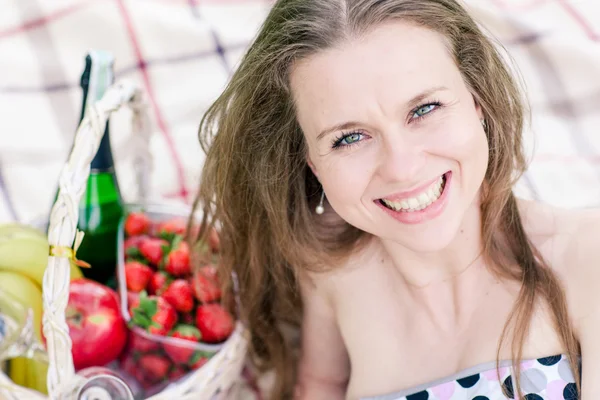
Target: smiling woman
point(417, 126)
point(424, 276)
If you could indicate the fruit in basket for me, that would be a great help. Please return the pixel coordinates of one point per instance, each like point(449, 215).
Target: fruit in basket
point(137, 223)
point(141, 344)
point(131, 246)
point(181, 354)
point(214, 322)
point(130, 366)
point(24, 250)
point(210, 271)
point(176, 373)
point(153, 249)
point(180, 295)
point(26, 372)
point(171, 227)
point(137, 275)
point(164, 319)
point(8, 228)
point(178, 261)
point(199, 362)
point(159, 282)
point(178, 311)
point(96, 326)
point(155, 367)
point(205, 286)
point(154, 314)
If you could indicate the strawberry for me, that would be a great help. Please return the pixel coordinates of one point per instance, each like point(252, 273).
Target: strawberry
point(137, 276)
point(153, 249)
point(178, 262)
point(176, 373)
point(180, 295)
point(173, 226)
point(205, 289)
point(131, 245)
point(165, 317)
point(214, 322)
point(137, 223)
point(155, 366)
point(129, 365)
point(159, 282)
point(210, 271)
point(154, 314)
point(199, 362)
point(133, 300)
point(181, 353)
point(141, 344)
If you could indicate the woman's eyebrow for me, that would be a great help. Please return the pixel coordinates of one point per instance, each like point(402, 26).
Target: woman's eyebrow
point(418, 99)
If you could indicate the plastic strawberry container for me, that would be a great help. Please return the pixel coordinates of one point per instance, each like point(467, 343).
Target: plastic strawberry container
point(150, 362)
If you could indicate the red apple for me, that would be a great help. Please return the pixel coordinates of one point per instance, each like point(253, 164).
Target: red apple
point(96, 326)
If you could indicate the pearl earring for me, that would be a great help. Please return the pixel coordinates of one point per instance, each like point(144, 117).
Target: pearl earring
point(483, 123)
point(320, 209)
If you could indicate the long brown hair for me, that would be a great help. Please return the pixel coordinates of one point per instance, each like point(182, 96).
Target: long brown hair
point(257, 186)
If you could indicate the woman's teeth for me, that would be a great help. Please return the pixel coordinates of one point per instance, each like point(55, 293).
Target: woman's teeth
point(420, 201)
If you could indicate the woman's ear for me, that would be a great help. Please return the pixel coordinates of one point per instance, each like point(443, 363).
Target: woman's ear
point(312, 166)
point(478, 108)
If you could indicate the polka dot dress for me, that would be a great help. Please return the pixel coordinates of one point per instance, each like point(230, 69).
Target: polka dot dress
point(548, 378)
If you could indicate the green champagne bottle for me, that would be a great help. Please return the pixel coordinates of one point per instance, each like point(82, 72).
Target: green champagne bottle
point(101, 206)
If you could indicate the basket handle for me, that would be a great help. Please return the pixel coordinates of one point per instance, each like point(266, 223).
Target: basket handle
point(64, 216)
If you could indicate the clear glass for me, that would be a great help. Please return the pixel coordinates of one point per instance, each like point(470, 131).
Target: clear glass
point(96, 383)
point(17, 336)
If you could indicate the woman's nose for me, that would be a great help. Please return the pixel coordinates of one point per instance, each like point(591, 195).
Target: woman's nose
point(401, 161)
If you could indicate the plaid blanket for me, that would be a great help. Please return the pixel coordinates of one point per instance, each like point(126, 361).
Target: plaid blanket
point(182, 52)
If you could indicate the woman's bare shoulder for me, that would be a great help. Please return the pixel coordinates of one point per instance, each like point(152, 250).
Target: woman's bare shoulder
point(559, 232)
point(569, 239)
point(573, 230)
point(581, 255)
point(543, 220)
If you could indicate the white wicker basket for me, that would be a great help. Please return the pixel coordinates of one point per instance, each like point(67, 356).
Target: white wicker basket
point(215, 378)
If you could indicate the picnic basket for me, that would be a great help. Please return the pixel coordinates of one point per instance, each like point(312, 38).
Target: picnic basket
point(218, 377)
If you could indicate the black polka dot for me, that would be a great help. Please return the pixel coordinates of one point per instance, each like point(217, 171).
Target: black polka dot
point(533, 396)
point(424, 395)
point(480, 398)
point(469, 381)
point(508, 387)
point(548, 361)
point(570, 392)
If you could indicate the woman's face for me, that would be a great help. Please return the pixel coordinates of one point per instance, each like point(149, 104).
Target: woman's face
point(394, 135)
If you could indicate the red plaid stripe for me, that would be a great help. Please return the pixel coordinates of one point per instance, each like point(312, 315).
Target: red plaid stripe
point(141, 63)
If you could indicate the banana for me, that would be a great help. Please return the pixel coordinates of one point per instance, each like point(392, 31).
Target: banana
point(26, 372)
point(24, 249)
point(18, 370)
point(9, 227)
point(23, 260)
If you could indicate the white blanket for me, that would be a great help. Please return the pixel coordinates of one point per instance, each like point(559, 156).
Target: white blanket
point(181, 54)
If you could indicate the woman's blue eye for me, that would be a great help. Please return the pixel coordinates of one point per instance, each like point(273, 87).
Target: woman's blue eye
point(421, 111)
point(347, 140)
point(351, 138)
